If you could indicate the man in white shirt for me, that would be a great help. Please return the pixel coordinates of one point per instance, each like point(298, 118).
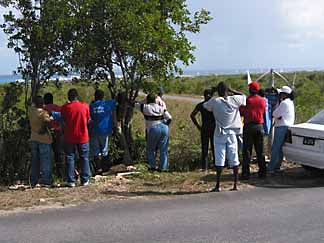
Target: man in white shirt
point(227, 126)
point(284, 116)
point(157, 120)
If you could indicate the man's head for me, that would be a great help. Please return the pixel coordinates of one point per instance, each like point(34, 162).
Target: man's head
point(38, 101)
point(222, 89)
point(285, 92)
point(261, 92)
point(161, 92)
point(254, 88)
point(48, 98)
point(208, 94)
point(72, 94)
point(150, 98)
point(99, 94)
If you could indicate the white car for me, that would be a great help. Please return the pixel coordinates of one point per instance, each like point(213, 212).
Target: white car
point(305, 143)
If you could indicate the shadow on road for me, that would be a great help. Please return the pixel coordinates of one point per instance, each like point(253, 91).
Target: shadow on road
point(150, 193)
point(289, 178)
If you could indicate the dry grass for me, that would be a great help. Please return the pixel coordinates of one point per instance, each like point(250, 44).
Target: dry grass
point(149, 185)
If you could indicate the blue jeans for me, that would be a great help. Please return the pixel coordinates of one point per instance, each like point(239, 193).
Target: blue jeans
point(158, 137)
point(99, 145)
point(276, 148)
point(83, 151)
point(41, 163)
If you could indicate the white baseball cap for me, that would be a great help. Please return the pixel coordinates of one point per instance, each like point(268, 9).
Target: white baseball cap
point(285, 89)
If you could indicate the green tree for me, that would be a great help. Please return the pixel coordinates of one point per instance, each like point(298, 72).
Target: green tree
point(34, 32)
point(126, 42)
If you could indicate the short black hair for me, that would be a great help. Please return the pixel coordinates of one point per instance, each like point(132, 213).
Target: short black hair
point(72, 94)
point(208, 93)
point(99, 94)
point(38, 101)
point(161, 91)
point(150, 98)
point(262, 92)
point(222, 89)
point(48, 98)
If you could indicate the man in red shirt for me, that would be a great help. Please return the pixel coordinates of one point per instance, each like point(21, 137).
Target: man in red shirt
point(58, 135)
point(253, 132)
point(76, 116)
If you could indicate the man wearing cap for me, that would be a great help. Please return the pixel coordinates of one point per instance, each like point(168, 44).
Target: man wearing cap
point(253, 131)
point(284, 116)
point(206, 128)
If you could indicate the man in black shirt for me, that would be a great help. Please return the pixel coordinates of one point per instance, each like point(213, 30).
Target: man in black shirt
point(206, 128)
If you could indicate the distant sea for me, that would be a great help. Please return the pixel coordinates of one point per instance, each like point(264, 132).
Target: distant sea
point(188, 73)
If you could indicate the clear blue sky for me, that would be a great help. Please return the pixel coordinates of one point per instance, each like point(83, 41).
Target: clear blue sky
point(246, 34)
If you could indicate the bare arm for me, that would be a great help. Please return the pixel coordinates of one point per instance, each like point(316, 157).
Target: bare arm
point(235, 92)
point(194, 118)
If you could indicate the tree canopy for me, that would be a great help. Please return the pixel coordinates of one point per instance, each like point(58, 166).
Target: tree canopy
point(123, 42)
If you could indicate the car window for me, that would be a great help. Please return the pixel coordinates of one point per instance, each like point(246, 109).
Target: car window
point(318, 118)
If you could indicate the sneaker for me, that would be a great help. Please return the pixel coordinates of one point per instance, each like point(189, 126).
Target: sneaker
point(36, 186)
point(216, 189)
point(70, 184)
point(86, 183)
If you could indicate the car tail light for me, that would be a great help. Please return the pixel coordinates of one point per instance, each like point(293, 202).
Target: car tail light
point(288, 136)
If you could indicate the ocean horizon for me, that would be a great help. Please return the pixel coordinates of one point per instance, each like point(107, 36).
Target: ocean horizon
point(7, 78)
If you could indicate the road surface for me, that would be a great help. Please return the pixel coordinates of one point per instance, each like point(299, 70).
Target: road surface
point(259, 215)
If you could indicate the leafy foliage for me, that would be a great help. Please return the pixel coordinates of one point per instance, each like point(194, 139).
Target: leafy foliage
point(14, 160)
point(34, 32)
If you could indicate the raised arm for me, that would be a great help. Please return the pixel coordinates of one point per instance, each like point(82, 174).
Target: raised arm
point(235, 92)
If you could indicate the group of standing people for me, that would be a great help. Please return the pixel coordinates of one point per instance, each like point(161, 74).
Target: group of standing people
point(82, 129)
point(75, 128)
point(222, 127)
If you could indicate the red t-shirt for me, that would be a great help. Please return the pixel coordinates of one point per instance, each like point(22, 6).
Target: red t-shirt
point(254, 109)
point(55, 124)
point(76, 116)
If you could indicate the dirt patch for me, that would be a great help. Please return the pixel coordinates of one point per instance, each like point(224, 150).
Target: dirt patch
point(146, 184)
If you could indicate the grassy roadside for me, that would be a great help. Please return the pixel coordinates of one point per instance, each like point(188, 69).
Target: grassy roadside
point(147, 185)
point(184, 153)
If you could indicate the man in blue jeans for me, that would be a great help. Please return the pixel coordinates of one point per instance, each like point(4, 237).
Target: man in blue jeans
point(40, 140)
point(76, 116)
point(157, 121)
point(103, 119)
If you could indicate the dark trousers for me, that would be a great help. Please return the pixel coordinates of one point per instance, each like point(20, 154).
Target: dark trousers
point(207, 137)
point(58, 148)
point(253, 136)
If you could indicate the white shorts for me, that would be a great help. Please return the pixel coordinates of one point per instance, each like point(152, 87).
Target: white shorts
point(225, 147)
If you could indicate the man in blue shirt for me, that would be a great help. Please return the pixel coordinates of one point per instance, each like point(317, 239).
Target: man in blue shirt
point(103, 119)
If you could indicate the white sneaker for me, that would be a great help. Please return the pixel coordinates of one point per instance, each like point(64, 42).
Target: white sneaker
point(71, 184)
point(85, 183)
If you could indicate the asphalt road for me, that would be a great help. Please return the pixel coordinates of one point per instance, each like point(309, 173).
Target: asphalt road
point(258, 215)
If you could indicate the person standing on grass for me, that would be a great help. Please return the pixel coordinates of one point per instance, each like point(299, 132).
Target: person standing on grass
point(253, 131)
point(103, 120)
point(206, 128)
point(76, 116)
point(58, 135)
point(284, 116)
point(40, 141)
point(157, 121)
point(227, 125)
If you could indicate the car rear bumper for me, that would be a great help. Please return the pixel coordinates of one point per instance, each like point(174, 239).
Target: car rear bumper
point(304, 157)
